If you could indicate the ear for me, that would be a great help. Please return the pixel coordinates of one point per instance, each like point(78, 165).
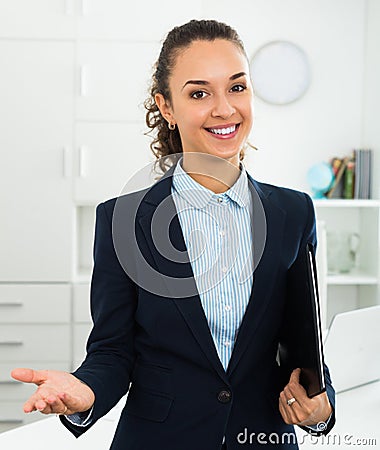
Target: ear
point(165, 108)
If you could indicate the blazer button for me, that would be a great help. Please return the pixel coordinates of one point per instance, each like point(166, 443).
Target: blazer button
point(224, 396)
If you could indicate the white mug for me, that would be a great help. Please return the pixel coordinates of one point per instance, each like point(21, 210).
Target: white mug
point(342, 249)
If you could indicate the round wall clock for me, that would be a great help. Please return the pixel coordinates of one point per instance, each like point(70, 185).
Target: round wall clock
point(280, 72)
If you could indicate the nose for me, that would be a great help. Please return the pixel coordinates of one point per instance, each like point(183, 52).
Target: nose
point(222, 107)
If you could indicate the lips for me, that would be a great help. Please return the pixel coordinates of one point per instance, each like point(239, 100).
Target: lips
point(224, 131)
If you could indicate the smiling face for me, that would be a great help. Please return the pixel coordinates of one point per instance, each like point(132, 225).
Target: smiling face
point(211, 99)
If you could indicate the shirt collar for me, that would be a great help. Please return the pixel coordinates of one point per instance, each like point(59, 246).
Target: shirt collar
point(199, 196)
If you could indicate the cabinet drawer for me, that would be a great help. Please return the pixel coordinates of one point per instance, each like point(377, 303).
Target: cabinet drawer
point(12, 415)
point(81, 303)
point(28, 343)
point(81, 332)
point(11, 389)
point(34, 303)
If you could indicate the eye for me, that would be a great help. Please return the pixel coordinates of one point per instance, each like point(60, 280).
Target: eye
point(238, 88)
point(198, 95)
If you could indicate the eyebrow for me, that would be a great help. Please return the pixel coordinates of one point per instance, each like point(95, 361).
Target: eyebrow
point(205, 83)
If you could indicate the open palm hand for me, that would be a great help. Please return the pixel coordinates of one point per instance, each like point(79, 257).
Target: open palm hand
point(57, 392)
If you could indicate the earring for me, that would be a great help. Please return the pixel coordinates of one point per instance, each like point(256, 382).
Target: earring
point(250, 145)
point(171, 126)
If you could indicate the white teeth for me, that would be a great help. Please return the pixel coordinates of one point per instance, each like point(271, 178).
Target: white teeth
point(228, 130)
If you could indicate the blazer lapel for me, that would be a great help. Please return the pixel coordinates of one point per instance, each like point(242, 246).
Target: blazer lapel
point(168, 254)
point(267, 219)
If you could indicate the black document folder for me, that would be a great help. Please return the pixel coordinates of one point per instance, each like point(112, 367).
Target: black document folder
point(301, 342)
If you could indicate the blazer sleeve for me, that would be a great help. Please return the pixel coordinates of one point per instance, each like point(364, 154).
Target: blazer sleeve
point(110, 347)
point(309, 237)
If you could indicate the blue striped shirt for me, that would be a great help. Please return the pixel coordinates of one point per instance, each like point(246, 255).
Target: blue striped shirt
point(217, 234)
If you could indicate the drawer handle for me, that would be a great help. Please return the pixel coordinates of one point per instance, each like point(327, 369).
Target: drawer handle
point(12, 343)
point(69, 8)
point(6, 304)
point(66, 162)
point(82, 161)
point(83, 81)
point(11, 421)
point(84, 8)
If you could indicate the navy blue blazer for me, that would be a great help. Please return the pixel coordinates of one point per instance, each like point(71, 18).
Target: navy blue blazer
point(154, 343)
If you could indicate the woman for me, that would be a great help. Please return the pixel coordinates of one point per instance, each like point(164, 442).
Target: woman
point(185, 318)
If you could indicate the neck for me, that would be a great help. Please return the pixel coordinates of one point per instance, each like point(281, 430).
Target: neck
point(214, 173)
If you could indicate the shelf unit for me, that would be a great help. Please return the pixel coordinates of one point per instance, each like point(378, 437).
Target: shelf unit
point(361, 286)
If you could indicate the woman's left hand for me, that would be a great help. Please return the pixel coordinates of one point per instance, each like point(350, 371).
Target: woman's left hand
point(304, 410)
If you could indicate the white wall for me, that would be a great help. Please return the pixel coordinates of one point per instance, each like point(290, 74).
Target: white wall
point(327, 121)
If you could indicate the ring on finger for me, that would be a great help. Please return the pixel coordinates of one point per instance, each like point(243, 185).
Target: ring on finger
point(291, 401)
point(63, 412)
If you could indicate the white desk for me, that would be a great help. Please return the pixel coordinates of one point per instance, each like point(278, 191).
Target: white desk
point(358, 415)
point(49, 433)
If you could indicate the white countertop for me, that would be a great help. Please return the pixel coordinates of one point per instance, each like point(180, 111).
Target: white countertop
point(357, 410)
point(49, 433)
point(357, 421)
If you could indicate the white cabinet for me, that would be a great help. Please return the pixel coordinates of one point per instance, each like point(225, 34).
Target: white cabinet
point(81, 303)
point(84, 236)
point(28, 343)
point(38, 19)
point(93, 19)
point(107, 156)
point(35, 332)
point(119, 19)
point(82, 323)
point(80, 335)
point(33, 303)
point(360, 287)
point(113, 80)
point(36, 106)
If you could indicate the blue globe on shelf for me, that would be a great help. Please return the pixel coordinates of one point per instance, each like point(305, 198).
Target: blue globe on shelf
point(320, 178)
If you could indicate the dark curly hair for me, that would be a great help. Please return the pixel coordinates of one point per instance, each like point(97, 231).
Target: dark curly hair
point(168, 142)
